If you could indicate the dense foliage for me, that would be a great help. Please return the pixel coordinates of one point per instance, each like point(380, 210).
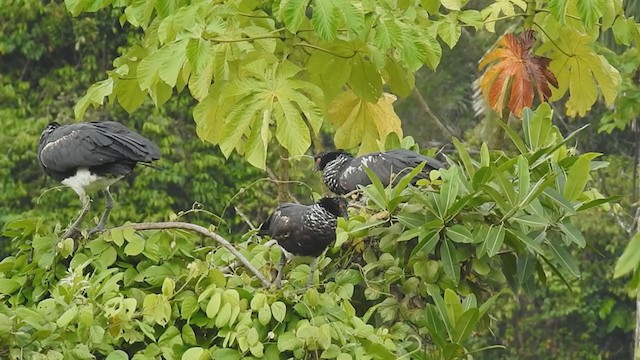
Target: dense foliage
point(414, 264)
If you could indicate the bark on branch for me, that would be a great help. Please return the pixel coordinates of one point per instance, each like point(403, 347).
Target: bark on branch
point(202, 231)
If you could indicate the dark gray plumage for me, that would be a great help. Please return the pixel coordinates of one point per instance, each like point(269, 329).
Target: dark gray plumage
point(92, 156)
point(304, 230)
point(342, 172)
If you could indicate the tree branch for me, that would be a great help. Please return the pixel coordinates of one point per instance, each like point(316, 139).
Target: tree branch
point(202, 231)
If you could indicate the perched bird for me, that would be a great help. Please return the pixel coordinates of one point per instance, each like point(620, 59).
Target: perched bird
point(342, 172)
point(92, 156)
point(304, 230)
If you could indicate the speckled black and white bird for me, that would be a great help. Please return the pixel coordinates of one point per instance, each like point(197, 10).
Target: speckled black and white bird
point(304, 230)
point(92, 156)
point(342, 172)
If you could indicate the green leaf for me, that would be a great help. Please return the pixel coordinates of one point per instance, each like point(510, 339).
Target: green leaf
point(291, 130)
point(579, 69)
point(135, 246)
point(573, 233)
point(523, 178)
point(435, 325)
point(377, 184)
point(449, 191)
point(450, 30)
point(214, 305)
point(449, 261)
point(465, 325)
point(352, 15)
point(464, 156)
point(365, 80)
point(8, 286)
point(117, 355)
point(258, 301)
point(95, 96)
point(223, 316)
point(289, 342)
point(188, 307)
point(529, 242)
point(324, 20)
point(226, 354)
point(526, 264)
point(590, 11)
point(359, 122)
point(515, 138)
point(434, 291)
point(454, 308)
point(67, 317)
point(630, 258)
point(452, 4)
point(293, 12)
point(264, 314)
point(195, 353)
point(577, 178)
point(427, 243)
point(558, 9)
point(564, 258)
point(459, 234)
point(188, 335)
point(495, 240)
point(278, 310)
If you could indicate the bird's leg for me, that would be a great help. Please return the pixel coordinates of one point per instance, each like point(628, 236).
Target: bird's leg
point(283, 262)
point(105, 215)
point(312, 269)
point(73, 230)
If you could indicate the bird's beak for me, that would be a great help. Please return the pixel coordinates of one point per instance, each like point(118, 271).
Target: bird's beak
point(317, 167)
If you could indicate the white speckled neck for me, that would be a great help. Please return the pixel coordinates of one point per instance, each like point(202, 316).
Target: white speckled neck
point(332, 172)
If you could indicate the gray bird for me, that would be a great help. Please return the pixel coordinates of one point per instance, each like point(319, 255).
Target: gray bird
point(342, 172)
point(92, 156)
point(304, 230)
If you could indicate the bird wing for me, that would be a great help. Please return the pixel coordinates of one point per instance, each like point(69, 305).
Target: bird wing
point(283, 221)
point(385, 165)
point(93, 144)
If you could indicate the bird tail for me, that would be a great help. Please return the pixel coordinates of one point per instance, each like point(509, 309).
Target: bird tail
point(154, 167)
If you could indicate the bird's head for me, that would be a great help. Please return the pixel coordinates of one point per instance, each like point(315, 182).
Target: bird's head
point(324, 158)
point(49, 129)
point(336, 205)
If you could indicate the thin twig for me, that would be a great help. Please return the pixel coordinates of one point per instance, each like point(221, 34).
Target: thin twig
point(426, 108)
point(244, 218)
point(200, 230)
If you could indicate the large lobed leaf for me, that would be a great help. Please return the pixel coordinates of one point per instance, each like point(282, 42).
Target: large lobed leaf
point(514, 73)
point(360, 122)
point(581, 71)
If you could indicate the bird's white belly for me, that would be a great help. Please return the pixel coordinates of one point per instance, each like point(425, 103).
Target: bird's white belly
point(85, 182)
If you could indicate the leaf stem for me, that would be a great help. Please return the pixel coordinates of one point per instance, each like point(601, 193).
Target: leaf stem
point(325, 50)
point(552, 41)
point(202, 231)
point(249, 39)
point(504, 18)
point(567, 15)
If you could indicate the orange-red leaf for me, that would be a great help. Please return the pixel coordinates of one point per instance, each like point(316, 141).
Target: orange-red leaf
point(514, 74)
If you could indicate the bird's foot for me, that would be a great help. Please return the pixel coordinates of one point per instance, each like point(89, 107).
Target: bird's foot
point(71, 232)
